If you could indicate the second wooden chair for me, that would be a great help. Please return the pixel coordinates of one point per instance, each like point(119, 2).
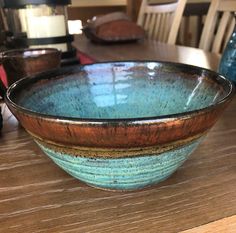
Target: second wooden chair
point(161, 21)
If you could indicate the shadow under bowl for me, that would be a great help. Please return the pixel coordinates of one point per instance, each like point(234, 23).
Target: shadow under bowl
point(120, 125)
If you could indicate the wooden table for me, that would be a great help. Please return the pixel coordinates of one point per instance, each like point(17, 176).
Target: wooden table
point(37, 196)
point(148, 50)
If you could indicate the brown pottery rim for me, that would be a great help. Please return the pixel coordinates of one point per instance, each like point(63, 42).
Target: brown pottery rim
point(18, 52)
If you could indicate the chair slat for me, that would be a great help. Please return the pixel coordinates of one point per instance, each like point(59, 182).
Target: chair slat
point(147, 21)
point(157, 27)
point(220, 32)
point(166, 31)
point(209, 23)
point(152, 26)
point(176, 22)
point(229, 32)
point(163, 27)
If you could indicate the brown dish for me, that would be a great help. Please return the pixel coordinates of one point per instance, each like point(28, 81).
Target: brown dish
point(24, 62)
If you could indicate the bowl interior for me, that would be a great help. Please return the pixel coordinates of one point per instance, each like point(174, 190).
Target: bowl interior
point(121, 90)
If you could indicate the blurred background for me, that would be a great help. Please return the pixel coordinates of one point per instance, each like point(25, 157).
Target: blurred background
point(191, 25)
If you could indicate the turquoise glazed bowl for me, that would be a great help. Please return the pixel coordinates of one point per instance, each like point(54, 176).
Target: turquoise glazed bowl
point(120, 125)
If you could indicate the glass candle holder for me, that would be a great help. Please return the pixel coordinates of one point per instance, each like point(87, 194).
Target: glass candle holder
point(41, 23)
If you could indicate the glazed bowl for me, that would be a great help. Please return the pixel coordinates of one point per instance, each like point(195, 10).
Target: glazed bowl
point(20, 63)
point(120, 125)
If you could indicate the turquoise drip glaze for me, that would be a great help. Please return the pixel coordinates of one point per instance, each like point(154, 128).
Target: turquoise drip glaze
point(122, 173)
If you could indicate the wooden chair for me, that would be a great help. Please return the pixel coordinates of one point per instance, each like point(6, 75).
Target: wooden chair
point(218, 26)
point(161, 21)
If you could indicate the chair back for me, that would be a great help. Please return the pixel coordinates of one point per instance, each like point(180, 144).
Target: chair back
point(219, 25)
point(161, 21)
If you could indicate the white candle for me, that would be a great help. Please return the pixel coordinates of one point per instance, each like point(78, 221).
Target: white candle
point(47, 26)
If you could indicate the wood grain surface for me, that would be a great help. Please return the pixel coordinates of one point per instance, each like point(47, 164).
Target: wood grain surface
point(37, 196)
point(222, 225)
point(147, 50)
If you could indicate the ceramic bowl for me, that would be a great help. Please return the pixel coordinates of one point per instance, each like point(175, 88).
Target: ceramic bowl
point(20, 63)
point(120, 125)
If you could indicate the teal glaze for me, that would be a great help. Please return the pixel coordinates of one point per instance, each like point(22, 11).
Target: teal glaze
point(123, 173)
point(118, 90)
point(228, 61)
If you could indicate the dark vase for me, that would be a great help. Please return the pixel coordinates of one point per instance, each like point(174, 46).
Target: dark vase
point(228, 61)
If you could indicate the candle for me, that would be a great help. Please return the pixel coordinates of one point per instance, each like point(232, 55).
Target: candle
point(47, 26)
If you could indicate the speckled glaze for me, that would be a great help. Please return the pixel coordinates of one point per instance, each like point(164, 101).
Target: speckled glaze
point(120, 125)
point(122, 173)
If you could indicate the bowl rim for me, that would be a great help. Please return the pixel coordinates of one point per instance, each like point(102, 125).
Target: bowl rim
point(137, 120)
point(19, 53)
